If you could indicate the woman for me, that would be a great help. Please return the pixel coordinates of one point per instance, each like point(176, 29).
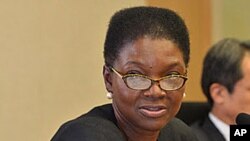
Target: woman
point(146, 56)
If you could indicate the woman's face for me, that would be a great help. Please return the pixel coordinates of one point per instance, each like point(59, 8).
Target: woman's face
point(152, 108)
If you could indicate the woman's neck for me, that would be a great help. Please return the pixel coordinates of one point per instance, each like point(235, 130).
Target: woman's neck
point(133, 133)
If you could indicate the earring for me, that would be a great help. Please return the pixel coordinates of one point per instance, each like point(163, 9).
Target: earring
point(184, 95)
point(109, 95)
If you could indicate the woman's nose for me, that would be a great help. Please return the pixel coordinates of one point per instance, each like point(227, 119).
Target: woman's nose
point(155, 91)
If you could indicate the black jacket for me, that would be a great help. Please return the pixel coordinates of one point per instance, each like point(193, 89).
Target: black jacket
point(205, 130)
point(99, 124)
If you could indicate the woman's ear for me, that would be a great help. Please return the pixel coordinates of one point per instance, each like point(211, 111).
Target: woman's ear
point(107, 78)
point(218, 93)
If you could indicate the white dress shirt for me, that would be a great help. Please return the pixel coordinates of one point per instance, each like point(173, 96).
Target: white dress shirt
point(221, 126)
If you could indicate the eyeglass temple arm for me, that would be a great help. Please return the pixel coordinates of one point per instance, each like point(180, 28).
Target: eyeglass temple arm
point(116, 72)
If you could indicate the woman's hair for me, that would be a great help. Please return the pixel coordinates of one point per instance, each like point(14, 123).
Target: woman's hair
point(130, 24)
point(222, 65)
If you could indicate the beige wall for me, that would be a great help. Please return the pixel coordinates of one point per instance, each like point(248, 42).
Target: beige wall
point(50, 63)
point(231, 19)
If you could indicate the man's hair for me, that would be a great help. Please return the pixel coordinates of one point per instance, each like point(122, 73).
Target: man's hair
point(222, 65)
point(128, 25)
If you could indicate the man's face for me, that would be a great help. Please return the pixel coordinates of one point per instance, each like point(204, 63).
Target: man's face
point(239, 100)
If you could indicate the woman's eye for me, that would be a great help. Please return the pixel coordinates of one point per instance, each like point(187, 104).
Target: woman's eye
point(173, 73)
point(133, 72)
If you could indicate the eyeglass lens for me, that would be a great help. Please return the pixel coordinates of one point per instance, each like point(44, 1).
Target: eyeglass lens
point(140, 83)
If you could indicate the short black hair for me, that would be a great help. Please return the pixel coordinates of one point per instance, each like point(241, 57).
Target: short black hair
point(130, 24)
point(222, 64)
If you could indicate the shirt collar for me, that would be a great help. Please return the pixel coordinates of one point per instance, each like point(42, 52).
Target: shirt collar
point(221, 126)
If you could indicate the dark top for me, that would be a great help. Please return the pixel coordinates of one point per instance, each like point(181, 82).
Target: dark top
point(205, 130)
point(99, 124)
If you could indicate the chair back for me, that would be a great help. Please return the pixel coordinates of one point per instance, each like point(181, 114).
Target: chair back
point(193, 111)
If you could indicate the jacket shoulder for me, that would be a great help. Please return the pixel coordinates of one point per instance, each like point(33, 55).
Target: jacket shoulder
point(177, 130)
point(93, 126)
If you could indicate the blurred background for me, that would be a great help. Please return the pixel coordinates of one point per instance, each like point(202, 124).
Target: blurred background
point(51, 56)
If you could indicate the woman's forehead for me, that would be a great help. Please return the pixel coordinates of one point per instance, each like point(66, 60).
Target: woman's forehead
point(150, 52)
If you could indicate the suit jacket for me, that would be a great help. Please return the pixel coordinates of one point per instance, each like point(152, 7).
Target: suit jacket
point(205, 130)
point(100, 125)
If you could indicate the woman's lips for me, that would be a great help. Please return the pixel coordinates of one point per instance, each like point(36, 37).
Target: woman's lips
point(153, 111)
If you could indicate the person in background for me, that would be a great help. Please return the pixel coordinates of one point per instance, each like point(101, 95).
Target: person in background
point(146, 55)
point(225, 83)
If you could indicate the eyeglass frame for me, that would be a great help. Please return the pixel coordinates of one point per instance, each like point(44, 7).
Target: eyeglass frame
point(123, 77)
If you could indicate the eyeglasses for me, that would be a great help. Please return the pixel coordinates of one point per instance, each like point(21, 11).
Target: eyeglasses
point(141, 82)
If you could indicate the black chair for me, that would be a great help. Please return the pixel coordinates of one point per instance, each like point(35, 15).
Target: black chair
point(192, 111)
